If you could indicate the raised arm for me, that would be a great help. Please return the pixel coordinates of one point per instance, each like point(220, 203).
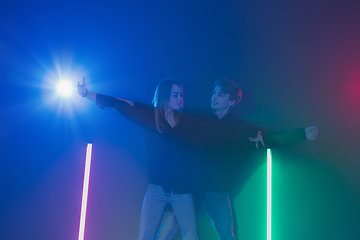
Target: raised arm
point(84, 92)
point(140, 114)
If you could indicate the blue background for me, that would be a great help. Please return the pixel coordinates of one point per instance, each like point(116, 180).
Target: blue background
point(296, 61)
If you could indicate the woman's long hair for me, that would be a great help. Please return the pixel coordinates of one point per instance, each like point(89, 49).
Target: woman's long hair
point(161, 101)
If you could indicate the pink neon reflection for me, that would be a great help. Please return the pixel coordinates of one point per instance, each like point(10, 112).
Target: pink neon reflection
point(85, 192)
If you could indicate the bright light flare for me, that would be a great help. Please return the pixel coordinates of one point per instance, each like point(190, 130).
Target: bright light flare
point(64, 87)
point(269, 170)
point(64, 68)
point(85, 192)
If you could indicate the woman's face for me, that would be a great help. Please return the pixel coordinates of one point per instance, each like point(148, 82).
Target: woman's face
point(176, 97)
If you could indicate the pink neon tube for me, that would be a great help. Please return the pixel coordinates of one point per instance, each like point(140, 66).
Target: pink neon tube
point(85, 192)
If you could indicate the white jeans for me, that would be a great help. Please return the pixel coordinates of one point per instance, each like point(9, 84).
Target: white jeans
point(217, 207)
point(154, 203)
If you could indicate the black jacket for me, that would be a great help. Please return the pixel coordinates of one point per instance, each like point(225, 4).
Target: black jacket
point(173, 158)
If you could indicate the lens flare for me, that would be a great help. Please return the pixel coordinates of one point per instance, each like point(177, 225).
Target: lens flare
point(64, 87)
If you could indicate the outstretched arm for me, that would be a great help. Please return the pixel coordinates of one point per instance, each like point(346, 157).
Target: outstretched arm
point(277, 139)
point(84, 92)
point(140, 114)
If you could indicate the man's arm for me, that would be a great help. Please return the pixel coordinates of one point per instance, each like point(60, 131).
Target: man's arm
point(311, 132)
point(278, 139)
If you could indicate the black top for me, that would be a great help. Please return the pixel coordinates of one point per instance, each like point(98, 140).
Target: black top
point(202, 152)
point(172, 156)
point(227, 146)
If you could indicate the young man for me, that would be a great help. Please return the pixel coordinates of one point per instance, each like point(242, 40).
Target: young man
point(227, 140)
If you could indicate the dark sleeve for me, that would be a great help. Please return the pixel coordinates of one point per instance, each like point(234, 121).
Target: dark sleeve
point(275, 139)
point(279, 139)
point(203, 110)
point(140, 114)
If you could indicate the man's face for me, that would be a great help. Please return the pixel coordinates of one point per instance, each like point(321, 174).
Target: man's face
point(221, 100)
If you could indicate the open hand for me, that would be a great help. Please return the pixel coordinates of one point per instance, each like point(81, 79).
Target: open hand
point(82, 88)
point(258, 139)
point(311, 132)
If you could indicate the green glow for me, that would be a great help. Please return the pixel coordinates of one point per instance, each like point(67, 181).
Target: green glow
point(85, 191)
point(268, 194)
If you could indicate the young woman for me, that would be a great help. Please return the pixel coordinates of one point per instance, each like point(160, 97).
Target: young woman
point(172, 157)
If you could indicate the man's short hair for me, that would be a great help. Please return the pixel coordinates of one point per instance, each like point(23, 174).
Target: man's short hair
point(230, 87)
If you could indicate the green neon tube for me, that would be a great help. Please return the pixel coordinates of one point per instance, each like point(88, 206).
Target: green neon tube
point(269, 193)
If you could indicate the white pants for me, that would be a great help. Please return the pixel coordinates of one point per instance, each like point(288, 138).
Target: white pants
point(154, 203)
point(217, 207)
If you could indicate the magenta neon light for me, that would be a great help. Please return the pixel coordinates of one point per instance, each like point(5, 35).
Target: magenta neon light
point(85, 192)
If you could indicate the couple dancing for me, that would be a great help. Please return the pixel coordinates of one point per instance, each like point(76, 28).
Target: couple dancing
point(193, 156)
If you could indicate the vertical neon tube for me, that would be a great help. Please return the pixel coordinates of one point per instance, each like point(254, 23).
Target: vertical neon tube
point(85, 191)
point(269, 194)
